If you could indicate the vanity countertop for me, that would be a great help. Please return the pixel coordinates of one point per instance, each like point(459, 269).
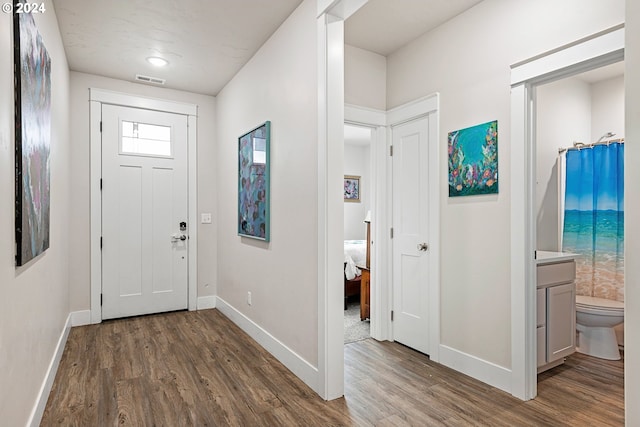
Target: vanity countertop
point(548, 257)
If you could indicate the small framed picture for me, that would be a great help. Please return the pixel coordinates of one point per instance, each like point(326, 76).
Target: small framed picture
point(352, 188)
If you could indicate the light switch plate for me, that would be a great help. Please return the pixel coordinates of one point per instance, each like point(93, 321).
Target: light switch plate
point(205, 218)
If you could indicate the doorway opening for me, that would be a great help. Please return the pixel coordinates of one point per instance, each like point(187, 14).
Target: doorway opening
point(184, 247)
point(359, 193)
point(410, 129)
point(588, 54)
point(579, 157)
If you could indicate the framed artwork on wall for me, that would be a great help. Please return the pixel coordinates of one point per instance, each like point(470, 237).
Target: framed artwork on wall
point(352, 188)
point(33, 135)
point(473, 160)
point(253, 183)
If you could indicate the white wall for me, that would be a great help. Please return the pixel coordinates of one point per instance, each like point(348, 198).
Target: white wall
point(563, 116)
point(365, 78)
point(80, 214)
point(34, 301)
point(357, 161)
point(607, 108)
point(278, 84)
point(467, 60)
point(632, 210)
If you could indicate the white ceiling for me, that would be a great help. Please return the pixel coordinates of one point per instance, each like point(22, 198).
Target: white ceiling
point(603, 73)
point(384, 26)
point(207, 41)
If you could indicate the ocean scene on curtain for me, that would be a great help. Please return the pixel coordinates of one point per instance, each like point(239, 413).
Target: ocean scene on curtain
point(33, 135)
point(473, 160)
point(594, 219)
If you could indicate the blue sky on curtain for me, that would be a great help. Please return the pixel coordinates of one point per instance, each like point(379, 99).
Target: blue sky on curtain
point(594, 218)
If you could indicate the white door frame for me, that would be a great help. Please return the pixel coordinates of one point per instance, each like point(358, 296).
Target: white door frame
point(380, 261)
point(98, 97)
point(429, 107)
point(330, 36)
point(600, 49)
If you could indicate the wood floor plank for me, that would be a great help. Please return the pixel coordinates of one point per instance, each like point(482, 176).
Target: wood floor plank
point(199, 369)
point(106, 411)
point(393, 421)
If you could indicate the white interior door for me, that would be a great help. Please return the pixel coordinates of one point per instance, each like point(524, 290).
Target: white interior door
point(144, 202)
point(410, 234)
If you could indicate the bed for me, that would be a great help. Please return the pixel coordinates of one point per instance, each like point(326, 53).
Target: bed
point(355, 252)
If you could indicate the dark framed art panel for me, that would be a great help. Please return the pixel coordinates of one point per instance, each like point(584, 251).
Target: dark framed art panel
point(253, 183)
point(33, 134)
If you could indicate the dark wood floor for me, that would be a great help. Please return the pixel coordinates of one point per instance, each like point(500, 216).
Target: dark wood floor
point(198, 368)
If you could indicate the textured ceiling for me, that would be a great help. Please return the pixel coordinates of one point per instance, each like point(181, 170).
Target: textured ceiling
point(207, 41)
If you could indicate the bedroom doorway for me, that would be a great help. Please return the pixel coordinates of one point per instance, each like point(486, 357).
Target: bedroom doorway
point(359, 189)
point(381, 124)
point(372, 127)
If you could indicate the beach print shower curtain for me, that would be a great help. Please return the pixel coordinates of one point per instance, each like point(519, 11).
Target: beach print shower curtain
point(594, 219)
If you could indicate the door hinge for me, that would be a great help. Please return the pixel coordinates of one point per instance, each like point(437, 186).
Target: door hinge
point(100, 183)
point(100, 300)
point(392, 315)
point(391, 150)
point(100, 126)
point(100, 242)
point(391, 232)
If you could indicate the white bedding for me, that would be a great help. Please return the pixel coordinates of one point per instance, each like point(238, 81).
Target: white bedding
point(355, 253)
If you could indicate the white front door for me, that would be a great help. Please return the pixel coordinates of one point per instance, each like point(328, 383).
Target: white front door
point(144, 204)
point(410, 234)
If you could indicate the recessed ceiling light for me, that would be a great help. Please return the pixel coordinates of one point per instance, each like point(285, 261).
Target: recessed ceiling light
point(158, 62)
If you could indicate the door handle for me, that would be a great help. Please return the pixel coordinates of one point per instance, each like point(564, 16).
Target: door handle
point(178, 237)
point(423, 247)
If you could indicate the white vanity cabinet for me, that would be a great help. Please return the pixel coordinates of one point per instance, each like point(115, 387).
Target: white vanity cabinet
point(556, 308)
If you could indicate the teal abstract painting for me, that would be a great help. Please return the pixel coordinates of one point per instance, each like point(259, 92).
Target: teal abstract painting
point(473, 160)
point(253, 183)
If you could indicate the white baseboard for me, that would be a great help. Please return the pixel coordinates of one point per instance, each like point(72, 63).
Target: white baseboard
point(484, 371)
point(80, 318)
point(204, 303)
point(296, 364)
point(45, 389)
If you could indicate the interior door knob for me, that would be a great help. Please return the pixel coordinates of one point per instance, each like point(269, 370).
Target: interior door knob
point(423, 247)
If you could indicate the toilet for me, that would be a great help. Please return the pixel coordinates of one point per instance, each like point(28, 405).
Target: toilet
point(595, 320)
